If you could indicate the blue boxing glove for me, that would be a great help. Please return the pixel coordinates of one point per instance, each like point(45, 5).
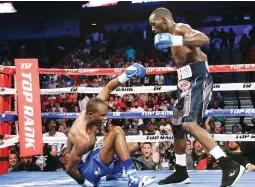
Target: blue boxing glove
point(135, 70)
point(165, 40)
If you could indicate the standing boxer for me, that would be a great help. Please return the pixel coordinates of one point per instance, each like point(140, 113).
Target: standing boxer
point(194, 91)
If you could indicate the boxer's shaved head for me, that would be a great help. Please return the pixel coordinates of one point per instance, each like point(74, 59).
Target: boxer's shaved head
point(161, 20)
point(162, 12)
point(94, 105)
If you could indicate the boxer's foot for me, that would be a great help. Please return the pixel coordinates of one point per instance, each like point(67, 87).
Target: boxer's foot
point(231, 171)
point(136, 180)
point(180, 176)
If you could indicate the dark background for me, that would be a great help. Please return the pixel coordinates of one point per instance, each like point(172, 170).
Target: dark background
point(38, 13)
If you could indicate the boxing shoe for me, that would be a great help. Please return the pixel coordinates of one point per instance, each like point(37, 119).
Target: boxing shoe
point(180, 176)
point(231, 171)
point(136, 180)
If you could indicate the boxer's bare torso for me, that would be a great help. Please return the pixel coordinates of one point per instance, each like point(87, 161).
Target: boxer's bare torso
point(80, 134)
point(184, 55)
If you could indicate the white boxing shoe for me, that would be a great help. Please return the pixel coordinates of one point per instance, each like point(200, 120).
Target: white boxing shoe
point(136, 180)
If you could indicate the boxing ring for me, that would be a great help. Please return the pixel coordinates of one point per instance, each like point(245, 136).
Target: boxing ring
point(204, 178)
point(57, 179)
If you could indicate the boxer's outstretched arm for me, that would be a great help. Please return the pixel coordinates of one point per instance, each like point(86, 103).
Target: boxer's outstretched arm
point(193, 38)
point(106, 91)
point(135, 70)
point(74, 160)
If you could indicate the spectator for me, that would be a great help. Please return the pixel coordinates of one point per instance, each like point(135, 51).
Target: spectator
point(63, 158)
point(244, 45)
point(231, 38)
point(147, 158)
point(26, 165)
point(189, 159)
point(13, 161)
point(62, 128)
point(218, 128)
point(82, 101)
point(248, 149)
point(111, 102)
point(137, 108)
point(214, 125)
point(197, 153)
point(171, 104)
point(159, 79)
point(208, 162)
point(130, 53)
point(53, 84)
point(189, 147)
point(224, 38)
point(129, 128)
point(214, 33)
point(149, 129)
point(83, 83)
point(53, 127)
point(164, 106)
point(235, 129)
point(236, 154)
point(57, 108)
point(252, 34)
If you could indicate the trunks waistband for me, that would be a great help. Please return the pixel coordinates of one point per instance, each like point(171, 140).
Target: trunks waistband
point(192, 70)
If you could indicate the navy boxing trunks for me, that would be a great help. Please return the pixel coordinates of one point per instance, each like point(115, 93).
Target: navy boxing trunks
point(92, 168)
point(194, 89)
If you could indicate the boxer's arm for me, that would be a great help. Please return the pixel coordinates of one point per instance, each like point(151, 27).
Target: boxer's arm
point(191, 37)
point(135, 70)
point(74, 160)
point(106, 91)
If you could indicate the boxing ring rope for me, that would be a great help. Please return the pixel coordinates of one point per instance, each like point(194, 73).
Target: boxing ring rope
point(10, 140)
point(133, 90)
point(117, 71)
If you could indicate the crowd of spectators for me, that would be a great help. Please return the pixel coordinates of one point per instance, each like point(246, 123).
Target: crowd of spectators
point(120, 54)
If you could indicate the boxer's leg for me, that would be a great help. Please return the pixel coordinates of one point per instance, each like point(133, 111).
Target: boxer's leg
point(118, 166)
point(231, 170)
point(133, 147)
point(117, 170)
point(197, 102)
point(115, 142)
point(180, 176)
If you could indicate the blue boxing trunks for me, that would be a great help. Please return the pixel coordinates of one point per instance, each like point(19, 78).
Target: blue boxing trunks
point(92, 168)
point(194, 89)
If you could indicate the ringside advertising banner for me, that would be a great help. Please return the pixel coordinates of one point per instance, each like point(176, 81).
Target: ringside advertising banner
point(29, 107)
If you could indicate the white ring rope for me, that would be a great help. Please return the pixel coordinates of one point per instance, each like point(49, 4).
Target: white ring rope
point(133, 90)
point(13, 139)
